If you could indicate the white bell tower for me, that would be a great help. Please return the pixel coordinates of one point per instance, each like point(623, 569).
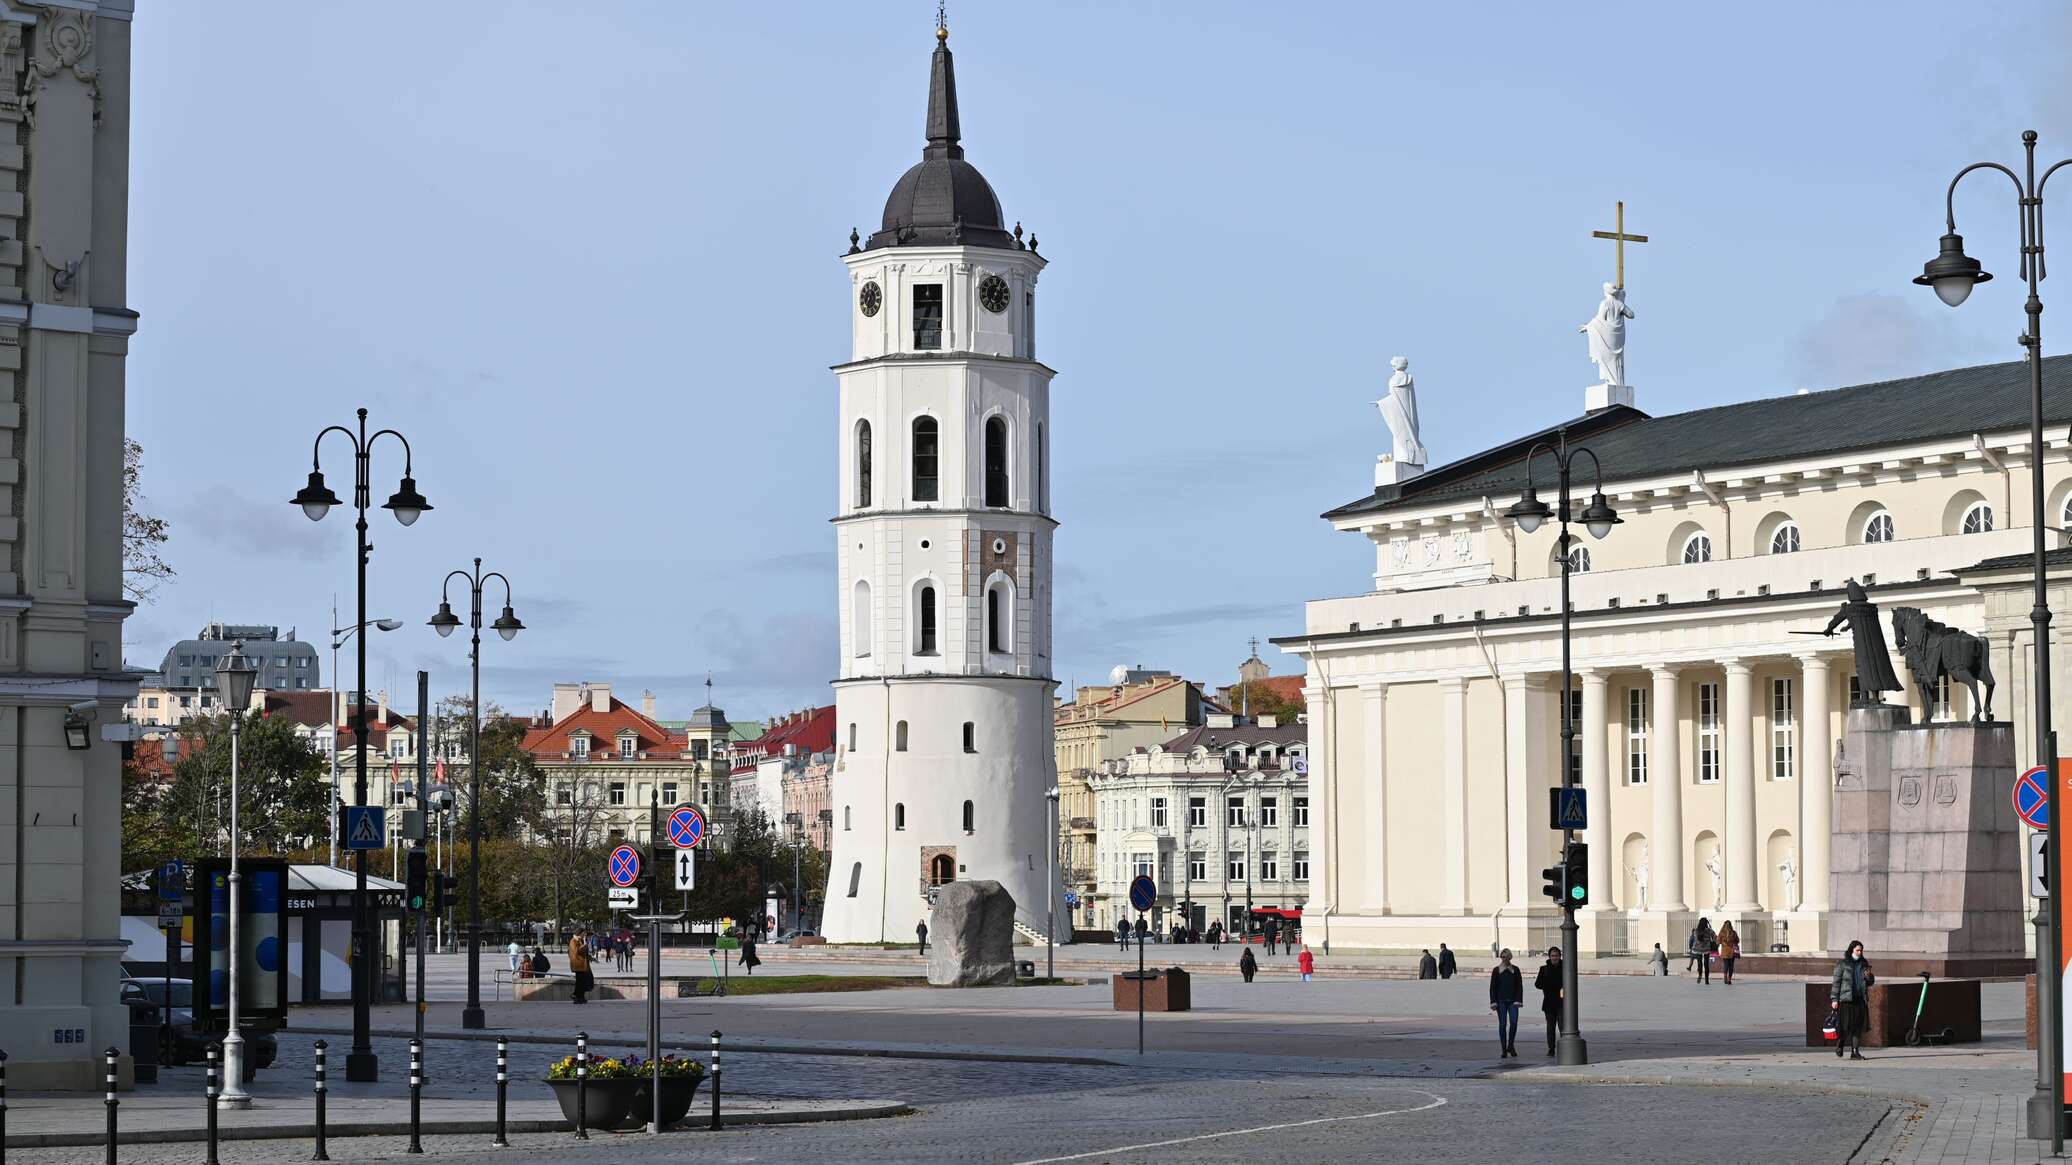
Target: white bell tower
point(943, 709)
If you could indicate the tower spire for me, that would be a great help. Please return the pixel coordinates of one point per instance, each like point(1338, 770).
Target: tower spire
point(943, 130)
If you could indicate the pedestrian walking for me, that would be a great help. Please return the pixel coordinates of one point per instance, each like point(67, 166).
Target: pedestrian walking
point(1548, 980)
point(1446, 964)
point(1701, 946)
point(1729, 950)
point(515, 953)
point(1306, 963)
point(1427, 966)
point(1247, 965)
point(579, 965)
point(921, 933)
point(1658, 963)
point(1849, 997)
point(1122, 933)
point(1216, 935)
point(749, 959)
point(1273, 932)
point(1506, 997)
point(1143, 930)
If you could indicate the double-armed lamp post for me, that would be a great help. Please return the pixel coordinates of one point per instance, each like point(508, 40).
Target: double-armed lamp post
point(508, 626)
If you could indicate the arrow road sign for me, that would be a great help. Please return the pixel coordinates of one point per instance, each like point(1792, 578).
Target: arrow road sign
point(624, 866)
point(622, 899)
point(686, 870)
point(2039, 865)
point(1566, 808)
point(364, 827)
point(686, 827)
point(1143, 892)
point(2032, 798)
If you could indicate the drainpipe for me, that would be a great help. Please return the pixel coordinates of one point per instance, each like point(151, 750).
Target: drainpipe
point(1509, 532)
point(1999, 464)
point(1718, 498)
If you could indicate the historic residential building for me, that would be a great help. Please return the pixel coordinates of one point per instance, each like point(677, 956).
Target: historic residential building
point(605, 760)
point(809, 802)
point(943, 529)
point(65, 327)
point(1137, 708)
point(1218, 816)
point(1708, 712)
point(761, 769)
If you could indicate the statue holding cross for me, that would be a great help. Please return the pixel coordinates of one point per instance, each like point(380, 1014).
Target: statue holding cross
point(1607, 329)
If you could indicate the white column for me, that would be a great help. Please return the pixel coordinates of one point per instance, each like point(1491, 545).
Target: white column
point(1375, 750)
point(1323, 882)
point(1665, 795)
point(1816, 782)
point(1739, 842)
point(1597, 787)
point(1525, 766)
point(1453, 749)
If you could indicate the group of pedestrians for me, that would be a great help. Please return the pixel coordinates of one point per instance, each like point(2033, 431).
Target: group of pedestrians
point(1305, 963)
point(1442, 967)
point(1706, 945)
point(1507, 998)
point(1276, 933)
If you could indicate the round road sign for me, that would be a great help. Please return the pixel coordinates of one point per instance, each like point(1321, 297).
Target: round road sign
point(686, 827)
point(2032, 797)
point(1143, 892)
point(624, 866)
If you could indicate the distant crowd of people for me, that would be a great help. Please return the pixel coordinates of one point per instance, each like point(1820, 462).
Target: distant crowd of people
point(1274, 931)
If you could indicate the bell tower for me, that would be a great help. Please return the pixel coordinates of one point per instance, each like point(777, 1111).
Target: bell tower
point(943, 535)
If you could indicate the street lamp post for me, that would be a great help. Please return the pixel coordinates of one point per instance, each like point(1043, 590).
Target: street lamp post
point(338, 637)
point(1598, 517)
point(316, 500)
point(1952, 274)
point(1050, 887)
point(235, 676)
point(508, 626)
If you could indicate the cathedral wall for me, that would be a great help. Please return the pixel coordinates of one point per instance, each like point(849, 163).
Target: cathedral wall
point(1486, 797)
point(1415, 769)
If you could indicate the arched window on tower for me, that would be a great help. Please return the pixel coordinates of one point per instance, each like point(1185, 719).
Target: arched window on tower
point(899, 815)
point(899, 737)
point(926, 455)
point(970, 818)
point(996, 461)
point(942, 870)
point(860, 618)
point(924, 622)
point(970, 736)
point(1043, 484)
point(995, 639)
point(863, 464)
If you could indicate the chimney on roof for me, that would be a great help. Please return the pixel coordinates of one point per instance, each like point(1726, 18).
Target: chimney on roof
point(382, 719)
point(647, 704)
point(1267, 721)
point(600, 697)
point(568, 698)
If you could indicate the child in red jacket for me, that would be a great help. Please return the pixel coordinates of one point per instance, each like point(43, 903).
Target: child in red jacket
point(1307, 962)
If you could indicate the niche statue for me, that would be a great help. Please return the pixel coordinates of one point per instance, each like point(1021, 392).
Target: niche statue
point(1933, 651)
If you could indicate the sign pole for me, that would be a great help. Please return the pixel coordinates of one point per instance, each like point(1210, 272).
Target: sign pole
point(1140, 987)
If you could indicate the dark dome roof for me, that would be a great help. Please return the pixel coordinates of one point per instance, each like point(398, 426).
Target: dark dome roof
point(942, 200)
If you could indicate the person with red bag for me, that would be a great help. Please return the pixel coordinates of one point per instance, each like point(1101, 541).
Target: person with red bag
point(1850, 999)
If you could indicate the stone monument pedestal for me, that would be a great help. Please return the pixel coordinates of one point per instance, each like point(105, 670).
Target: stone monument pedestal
point(1926, 851)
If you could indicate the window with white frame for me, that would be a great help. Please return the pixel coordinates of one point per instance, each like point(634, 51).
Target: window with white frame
point(1785, 538)
point(565, 793)
point(1141, 864)
point(1698, 547)
point(1978, 519)
point(1198, 812)
point(669, 792)
point(1197, 868)
point(1269, 812)
point(618, 793)
point(1709, 751)
point(1234, 812)
point(579, 746)
point(628, 744)
point(1300, 872)
point(1301, 812)
point(1235, 860)
point(1579, 560)
point(1636, 736)
point(1783, 750)
point(1878, 527)
point(1158, 813)
point(1269, 868)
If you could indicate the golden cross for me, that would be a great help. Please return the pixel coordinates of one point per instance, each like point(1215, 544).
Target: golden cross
point(1619, 239)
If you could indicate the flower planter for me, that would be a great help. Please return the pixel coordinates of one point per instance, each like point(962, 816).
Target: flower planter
point(606, 1104)
point(677, 1094)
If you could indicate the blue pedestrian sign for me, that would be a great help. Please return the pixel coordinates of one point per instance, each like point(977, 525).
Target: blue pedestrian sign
point(365, 827)
point(624, 866)
point(686, 827)
point(2032, 797)
point(1143, 892)
point(172, 879)
point(1567, 807)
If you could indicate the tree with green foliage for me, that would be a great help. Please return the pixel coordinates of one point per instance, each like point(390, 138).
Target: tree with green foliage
point(514, 787)
point(283, 794)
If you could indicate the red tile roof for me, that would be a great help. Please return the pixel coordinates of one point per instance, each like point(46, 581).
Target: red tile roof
point(605, 728)
point(811, 731)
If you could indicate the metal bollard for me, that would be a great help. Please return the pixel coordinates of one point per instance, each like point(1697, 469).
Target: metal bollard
point(111, 1101)
point(3, 1108)
point(715, 1079)
point(215, 1090)
point(416, 1085)
point(503, 1079)
point(582, 1084)
point(320, 1154)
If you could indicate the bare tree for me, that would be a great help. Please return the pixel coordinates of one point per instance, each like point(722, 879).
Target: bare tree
point(143, 567)
point(573, 841)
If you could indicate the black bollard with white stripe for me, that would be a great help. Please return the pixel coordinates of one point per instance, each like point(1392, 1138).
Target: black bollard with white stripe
point(503, 1081)
point(3, 1108)
point(111, 1053)
point(215, 1090)
point(321, 1154)
point(715, 1079)
point(582, 1084)
point(416, 1092)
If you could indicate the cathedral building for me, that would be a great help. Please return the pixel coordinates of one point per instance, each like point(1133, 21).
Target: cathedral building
point(943, 748)
point(1709, 705)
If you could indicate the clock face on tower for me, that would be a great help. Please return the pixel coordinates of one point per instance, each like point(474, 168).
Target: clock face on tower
point(992, 294)
point(870, 298)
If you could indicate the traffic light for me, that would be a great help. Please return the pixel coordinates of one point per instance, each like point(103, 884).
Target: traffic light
point(442, 892)
point(1577, 875)
point(1555, 874)
point(414, 880)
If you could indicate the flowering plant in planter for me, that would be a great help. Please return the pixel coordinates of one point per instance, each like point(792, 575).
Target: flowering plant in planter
point(601, 1068)
point(674, 1067)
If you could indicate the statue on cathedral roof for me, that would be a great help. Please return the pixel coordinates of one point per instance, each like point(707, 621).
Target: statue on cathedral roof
point(1607, 332)
point(1874, 675)
point(1399, 410)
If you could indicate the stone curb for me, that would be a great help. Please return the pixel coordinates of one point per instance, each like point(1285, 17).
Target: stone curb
point(1558, 1076)
point(335, 1129)
point(774, 1049)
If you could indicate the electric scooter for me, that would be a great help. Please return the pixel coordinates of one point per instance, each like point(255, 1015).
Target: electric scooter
point(1915, 1036)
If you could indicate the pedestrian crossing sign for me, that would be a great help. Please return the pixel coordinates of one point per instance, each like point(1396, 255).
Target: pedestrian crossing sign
point(1566, 808)
point(364, 827)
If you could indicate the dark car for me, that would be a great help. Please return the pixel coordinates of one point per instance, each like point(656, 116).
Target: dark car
point(189, 1043)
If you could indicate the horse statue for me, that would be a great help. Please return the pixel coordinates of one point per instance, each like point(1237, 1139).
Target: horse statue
point(1932, 650)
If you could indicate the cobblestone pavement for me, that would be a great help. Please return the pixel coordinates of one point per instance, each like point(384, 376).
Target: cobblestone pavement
point(1209, 1121)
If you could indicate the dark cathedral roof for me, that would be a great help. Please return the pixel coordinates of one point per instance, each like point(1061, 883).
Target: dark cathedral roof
point(1632, 444)
point(943, 200)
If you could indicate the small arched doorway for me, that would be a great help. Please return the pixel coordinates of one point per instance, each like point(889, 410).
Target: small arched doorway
point(942, 870)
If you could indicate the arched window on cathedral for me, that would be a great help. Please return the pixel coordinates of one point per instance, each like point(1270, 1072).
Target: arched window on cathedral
point(899, 815)
point(924, 621)
point(970, 818)
point(1878, 527)
point(1785, 538)
point(860, 621)
point(927, 453)
point(899, 737)
point(1578, 560)
point(996, 461)
point(1978, 519)
point(1698, 548)
point(863, 464)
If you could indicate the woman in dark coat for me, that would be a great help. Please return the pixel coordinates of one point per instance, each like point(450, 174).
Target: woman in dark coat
point(1850, 996)
point(1506, 998)
point(749, 958)
point(1247, 965)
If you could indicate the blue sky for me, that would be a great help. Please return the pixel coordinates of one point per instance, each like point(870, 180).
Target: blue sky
point(585, 258)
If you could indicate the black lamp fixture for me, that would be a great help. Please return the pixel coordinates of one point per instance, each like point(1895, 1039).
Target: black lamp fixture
point(1529, 511)
point(316, 498)
point(1952, 273)
point(445, 621)
point(406, 503)
point(507, 624)
point(1599, 517)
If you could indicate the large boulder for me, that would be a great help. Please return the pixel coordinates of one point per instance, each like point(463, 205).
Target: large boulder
point(971, 936)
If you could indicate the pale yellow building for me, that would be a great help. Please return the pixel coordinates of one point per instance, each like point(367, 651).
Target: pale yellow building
point(1708, 718)
point(1136, 709)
